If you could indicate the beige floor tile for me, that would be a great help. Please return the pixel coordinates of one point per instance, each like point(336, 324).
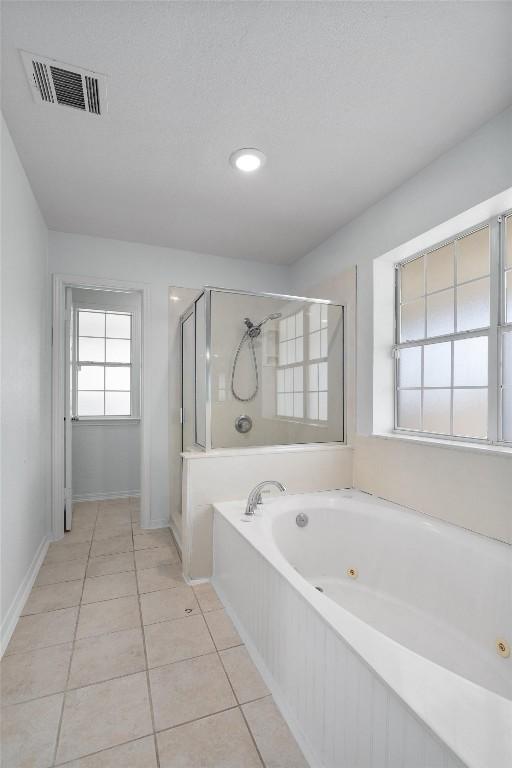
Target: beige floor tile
point(244, 677)
point(168, 604)
point(219, 741)
point(105, 656)
point(109, 587)
point(29, 733)
point(55, 596)
point(35, 673)
point(58, 552)
point(78, 535)
point(162, 577)
point(43, 629)
point(223, 631)
point(107, 564)
point(114, 516)
point(104, 715)
point(151, 558)
point(189, 689)
point(104, 532)
point(69, 570)
point(275, 741)
point(150, 539)
point(207, 597)
point(177, 640)
point(135, 754)
point(85, 507)
point(108, 616)
point(112, 546)
point(83, 523)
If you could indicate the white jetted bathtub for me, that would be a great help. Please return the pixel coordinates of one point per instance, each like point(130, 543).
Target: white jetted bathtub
point(379, 630)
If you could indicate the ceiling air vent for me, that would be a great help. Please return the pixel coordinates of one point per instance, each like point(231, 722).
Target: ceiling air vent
point(61, 84)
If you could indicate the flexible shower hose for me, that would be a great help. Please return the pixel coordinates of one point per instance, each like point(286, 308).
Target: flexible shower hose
point(250, 341)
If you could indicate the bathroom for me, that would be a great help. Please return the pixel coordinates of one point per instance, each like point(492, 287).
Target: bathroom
point(287, 540)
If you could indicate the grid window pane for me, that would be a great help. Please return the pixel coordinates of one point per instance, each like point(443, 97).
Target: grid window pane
point(413, 320)
point(506, 409)
point(508, 294)
point(507, 359)
point(322, 406)
point(473, 305)
point(409, 367)
point(118, 351)
point(412, 280)
point(470, 413)
point(298, 405)
point(440, 268)
point(440, 313)
point(314, 345)
point(117, 403)
point(315, 317)
point(313, 406)
point(118, 326)
point(436, 411)
point(409, 409)
point(117, 377)
point(473, 255)
point(437, 365)
point(470, 362)
point(508, 241)
point(90, 403)
point(91, 350)
point(91, 377)
point(91, 323)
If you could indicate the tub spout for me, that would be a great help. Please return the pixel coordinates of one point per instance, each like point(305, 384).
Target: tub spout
point(255, 495)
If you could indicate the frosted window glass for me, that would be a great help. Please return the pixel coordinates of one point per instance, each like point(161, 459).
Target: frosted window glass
point(283, 330)
point(91, 350)
point(298, 405)
point(90, 403)
point(437, 365)
point(412, 282)
point(436, 411)
point(298, 379)
point(314, 345)
point(117, 403)
point(313, 405)
point(508, 241)
point(91, 323)
point(117, 378)
point(118, 351)
point(290, 322)
point(299, 350)
point(313, 378)
point(288, 399)
point(299, 324)
point(288, 380)
point(280, 380)
point(119, 326)
point(283, 348)
point(322, 406)
point(470, 412)
point(280, 405)
point(409, 409)
point(323, 342)
point(413, 320)
point(314, 317)
point(508, 294)
point(291, 351)
point(506, 407)
point(440, 268)
point(473, 255)
point(440, 313)
point(409, 367)
point(322, 376)
point(473, 305)
point(470, 362)
point(507, 359)
point(91, 377)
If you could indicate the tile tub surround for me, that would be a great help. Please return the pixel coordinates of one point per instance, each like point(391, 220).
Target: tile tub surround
point(117, 662)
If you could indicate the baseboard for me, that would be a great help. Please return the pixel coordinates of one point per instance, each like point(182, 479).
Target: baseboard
point(20, 598)
point(175, 532)
point(162, 523)
point(101, 496)
point(271, 684)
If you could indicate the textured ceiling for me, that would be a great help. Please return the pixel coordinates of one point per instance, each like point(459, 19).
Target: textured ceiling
point(347, 99)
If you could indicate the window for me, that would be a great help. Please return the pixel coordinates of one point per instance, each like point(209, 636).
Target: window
point(302, 371)
point(103, 368)
point(449, 323)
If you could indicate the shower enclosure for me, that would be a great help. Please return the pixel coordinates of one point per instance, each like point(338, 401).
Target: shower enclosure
point(261, 369)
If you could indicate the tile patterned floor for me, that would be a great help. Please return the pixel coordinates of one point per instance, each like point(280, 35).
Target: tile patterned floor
point(117, 663)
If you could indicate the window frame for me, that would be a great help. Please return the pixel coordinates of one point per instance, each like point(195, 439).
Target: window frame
point(135, 361)
point(493, 332)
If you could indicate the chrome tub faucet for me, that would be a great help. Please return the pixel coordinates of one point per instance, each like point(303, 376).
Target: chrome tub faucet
point(255, 495)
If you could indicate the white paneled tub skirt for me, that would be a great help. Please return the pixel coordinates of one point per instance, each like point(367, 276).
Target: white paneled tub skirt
point(378, 630)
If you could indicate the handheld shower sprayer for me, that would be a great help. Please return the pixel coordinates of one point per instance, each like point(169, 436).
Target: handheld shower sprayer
point(252, 332)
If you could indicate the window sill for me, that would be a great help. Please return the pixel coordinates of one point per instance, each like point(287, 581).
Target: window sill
point(459, 445)
point(113, 422)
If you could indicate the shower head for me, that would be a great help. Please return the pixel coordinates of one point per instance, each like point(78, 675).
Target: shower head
point(254, 330)
point(273, 316)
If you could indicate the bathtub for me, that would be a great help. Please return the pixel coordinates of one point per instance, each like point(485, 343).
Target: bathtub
point(375, 628)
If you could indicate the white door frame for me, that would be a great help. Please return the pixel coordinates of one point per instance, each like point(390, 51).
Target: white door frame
point(60, 283)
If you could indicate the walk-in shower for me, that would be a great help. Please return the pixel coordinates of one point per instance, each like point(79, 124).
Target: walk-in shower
point(261, 369)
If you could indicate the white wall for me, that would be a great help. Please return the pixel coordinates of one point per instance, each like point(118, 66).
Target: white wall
point(25, 446)
point(158, 268)
point(472, 172)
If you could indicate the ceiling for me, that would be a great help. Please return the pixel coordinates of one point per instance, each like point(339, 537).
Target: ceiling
point(347, 100)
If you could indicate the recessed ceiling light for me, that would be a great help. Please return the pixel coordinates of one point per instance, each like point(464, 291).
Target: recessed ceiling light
point(247, 160)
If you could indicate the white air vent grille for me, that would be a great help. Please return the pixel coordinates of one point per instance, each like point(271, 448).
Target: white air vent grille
point(61, 84)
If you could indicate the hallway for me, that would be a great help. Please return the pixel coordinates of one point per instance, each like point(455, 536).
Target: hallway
point(115, 661)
